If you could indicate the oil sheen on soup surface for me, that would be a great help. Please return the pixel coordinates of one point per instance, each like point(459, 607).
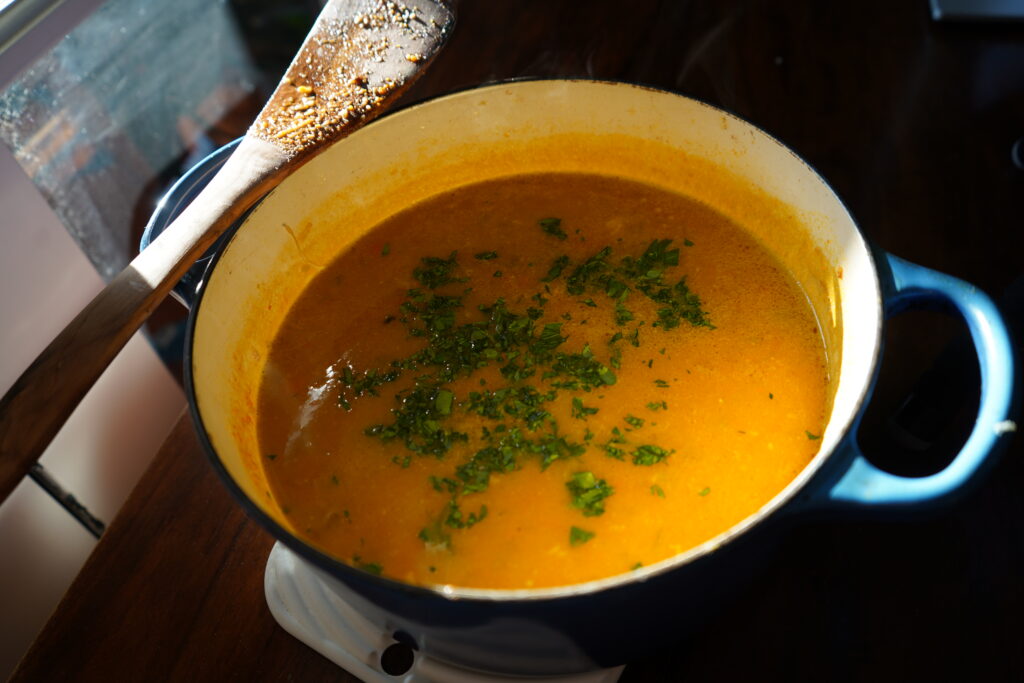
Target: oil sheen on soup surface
point(539, 380)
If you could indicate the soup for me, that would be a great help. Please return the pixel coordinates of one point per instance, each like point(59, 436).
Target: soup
point(539, 380)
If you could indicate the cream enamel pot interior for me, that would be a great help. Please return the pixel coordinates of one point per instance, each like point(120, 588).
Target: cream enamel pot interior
point(610, 128)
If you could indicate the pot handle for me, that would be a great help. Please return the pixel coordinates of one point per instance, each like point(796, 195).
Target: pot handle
point(913, 286)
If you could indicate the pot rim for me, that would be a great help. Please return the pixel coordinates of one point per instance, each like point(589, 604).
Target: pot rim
point(343, 571)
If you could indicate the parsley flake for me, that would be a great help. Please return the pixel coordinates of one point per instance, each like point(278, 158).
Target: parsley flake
point(372, 567)
point(557, 266)
point(649, 455)
point(578, 536)
point(588, 493)
point(553, 226)
point(634, 421)
point(436, 272)
point(580, 411)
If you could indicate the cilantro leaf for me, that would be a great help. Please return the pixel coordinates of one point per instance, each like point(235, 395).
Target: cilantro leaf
point(435, 272)
point(578, 536)
point(553, 226)
point(580, 411)
point(649, 455)
point(371, 567)
point(588, 493)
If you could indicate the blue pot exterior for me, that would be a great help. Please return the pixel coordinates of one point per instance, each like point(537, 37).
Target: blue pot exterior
point(578, 631)
point(563, 635)
point(556, 636)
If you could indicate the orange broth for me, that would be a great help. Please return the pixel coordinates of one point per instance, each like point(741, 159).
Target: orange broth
point(638, 435)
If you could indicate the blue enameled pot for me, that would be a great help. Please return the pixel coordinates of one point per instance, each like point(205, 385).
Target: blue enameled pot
point(626, 130)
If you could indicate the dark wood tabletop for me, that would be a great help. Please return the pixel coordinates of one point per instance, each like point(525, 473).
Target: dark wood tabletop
point(919, 126)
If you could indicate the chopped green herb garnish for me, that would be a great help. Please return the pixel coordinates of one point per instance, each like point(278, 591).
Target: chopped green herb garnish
point(435, 535)
point(657, 490)
point(634, 421)
point(578, 536)
point(335, 480)
point(649, 455)
point(590, 274)
point(456, 520)
point(553, 447)
point(580, 411)
point(687, 243)
point(771, 396)
point(622, 314)
point(418, 423)
point(636, 566)
point(443, 402)
point(552, 226)
point(705, 491)
point(557, 266)
point(385, 250)
point(550, 338)
point(580, 371)
point(371, 567)
point(611, 448)
point(436, 272)
point(532, 360)
point(271, 456)
point(613, 451)
point(812, 437)
point(588, 493)
point(661, 384)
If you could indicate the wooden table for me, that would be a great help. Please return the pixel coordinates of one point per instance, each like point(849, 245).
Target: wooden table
point(913, 123)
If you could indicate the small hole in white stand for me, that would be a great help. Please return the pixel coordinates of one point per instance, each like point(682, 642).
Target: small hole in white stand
point(397, 659)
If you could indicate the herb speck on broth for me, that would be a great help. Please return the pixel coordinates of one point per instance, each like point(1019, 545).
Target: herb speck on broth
point(578, 536)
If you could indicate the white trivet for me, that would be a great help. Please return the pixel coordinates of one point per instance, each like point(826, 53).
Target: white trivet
point(308, 610)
